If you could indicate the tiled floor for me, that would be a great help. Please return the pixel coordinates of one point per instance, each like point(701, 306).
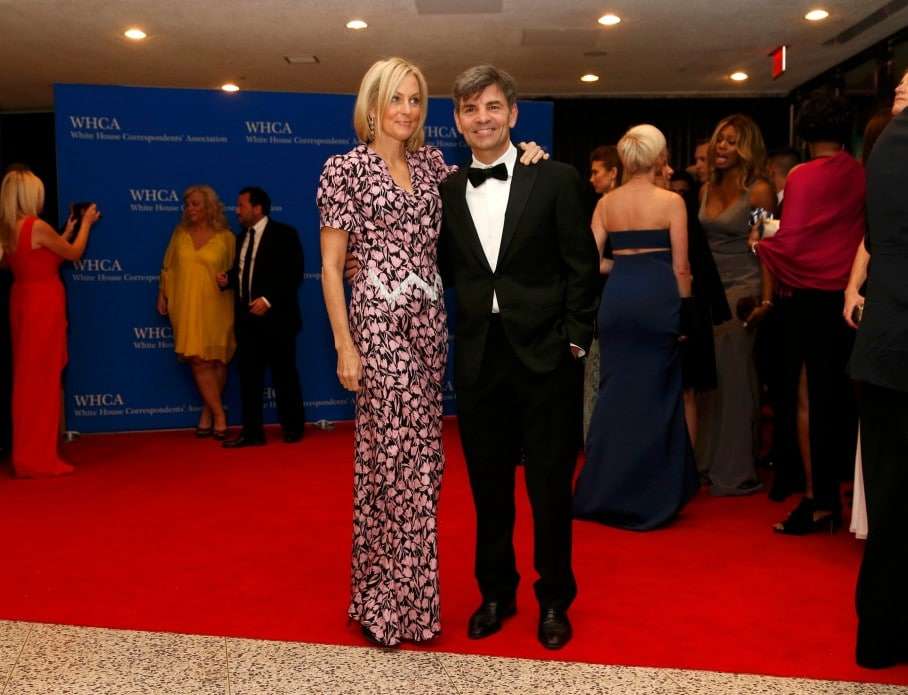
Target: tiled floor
point(63, 660)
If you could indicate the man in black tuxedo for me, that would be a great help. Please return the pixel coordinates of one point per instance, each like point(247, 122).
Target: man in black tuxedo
point(518, 250)
point(266, 273)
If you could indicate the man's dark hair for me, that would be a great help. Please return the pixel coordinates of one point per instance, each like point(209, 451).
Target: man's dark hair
point(257, 196)
point(785, 159)
point(824, 117)
point(473, 80)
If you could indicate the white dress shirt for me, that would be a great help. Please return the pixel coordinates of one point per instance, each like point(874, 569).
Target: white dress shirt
point(259, 228)
point(488, 203)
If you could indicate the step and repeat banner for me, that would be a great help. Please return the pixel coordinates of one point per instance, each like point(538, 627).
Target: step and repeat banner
point(134, 151)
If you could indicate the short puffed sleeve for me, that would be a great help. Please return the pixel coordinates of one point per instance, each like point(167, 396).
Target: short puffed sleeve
point(337, 193)
point(440, 170)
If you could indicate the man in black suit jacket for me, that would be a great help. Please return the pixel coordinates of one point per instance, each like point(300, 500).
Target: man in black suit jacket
point(517, 248)
point(266, 273)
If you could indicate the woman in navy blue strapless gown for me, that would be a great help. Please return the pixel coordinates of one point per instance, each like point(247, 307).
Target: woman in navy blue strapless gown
point(640, 468)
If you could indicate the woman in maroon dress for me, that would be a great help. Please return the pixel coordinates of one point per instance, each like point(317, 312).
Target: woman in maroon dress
point(34, 252)
point(810, 258)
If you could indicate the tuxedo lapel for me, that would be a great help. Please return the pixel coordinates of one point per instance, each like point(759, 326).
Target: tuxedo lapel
point(521, 184)
point(462, 220)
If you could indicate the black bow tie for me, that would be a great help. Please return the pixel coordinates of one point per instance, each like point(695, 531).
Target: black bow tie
point(478, 176)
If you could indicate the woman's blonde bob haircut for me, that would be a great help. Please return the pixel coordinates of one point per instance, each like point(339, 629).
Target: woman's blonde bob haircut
point(640, 147)
point(214, 208)
point(379, 84)
point(21, 195)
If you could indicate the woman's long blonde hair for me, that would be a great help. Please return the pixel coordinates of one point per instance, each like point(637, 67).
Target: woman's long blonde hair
point(21, 195)
point(214, 208)
point(750, 145)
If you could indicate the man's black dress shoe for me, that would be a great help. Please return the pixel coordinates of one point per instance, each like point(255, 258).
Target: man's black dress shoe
point(243, 440)
point(293, 437)
point(878, 646)
point(554, 628)
point(487, 618)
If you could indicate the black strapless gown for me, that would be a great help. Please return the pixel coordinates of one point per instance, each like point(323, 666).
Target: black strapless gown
point(640, 468)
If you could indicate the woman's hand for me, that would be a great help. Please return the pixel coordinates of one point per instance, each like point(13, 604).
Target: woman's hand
point(853, 299)
point(162, 304)
point(90, 216)
point(532, 153)
point(349, 368)
point(758, 313)
point(755, 233)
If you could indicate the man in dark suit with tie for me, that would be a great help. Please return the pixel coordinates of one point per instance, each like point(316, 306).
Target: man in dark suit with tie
point(518, 250)
point(266, 273)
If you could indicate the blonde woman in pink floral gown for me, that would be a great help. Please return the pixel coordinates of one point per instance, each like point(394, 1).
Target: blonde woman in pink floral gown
point(380, 203)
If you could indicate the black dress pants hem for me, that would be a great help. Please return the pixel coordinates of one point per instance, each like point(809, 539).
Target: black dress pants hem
point(512, 414)
point(258, 349)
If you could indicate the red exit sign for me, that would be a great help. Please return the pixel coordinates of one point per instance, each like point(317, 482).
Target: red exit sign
point(779, 61)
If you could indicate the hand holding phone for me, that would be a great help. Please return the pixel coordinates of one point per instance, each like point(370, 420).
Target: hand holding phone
point(78, 211)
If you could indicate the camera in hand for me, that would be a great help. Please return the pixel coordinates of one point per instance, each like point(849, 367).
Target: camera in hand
point(77, 210)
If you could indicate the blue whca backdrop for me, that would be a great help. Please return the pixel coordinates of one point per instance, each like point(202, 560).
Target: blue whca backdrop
point(134, 151)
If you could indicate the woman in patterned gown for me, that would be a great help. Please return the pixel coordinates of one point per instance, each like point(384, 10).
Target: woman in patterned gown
point(379, 204)
point(381, 200)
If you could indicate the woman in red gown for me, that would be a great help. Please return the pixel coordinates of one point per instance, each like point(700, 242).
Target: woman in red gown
point(34, 252)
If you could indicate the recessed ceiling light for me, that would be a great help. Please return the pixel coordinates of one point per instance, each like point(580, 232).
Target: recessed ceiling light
point(816, 15)
point(610, 20)
point(135, 34)
point(356, 24)
point(739, 76)
point(589, 77)
point(230, 87)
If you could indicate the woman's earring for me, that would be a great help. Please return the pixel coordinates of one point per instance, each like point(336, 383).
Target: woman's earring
point(370, 120)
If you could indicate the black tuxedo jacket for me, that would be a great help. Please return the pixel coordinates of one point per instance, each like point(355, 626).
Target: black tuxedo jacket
point(546, 278)
point(277, 274)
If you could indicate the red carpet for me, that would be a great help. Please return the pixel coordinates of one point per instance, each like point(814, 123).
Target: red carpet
point(165, 532)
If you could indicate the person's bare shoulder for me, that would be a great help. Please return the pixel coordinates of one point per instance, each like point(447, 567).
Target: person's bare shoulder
point(761, 187)
point(41, 230)
point(669, 199)
point(762, 194)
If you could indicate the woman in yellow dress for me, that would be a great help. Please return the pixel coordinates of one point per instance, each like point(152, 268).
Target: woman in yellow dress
point(201, 314)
